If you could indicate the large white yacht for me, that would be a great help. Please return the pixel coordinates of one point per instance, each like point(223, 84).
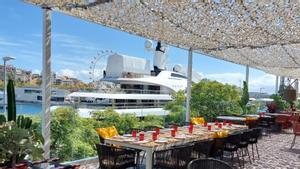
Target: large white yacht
point(130, 86)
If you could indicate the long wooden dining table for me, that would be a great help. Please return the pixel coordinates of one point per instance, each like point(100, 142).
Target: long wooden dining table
point(165, 140)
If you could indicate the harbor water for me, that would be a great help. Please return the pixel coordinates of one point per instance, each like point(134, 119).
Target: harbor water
point(27, 108)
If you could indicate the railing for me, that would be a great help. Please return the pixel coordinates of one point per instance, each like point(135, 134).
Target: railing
point(122, 105)
point(131, 91)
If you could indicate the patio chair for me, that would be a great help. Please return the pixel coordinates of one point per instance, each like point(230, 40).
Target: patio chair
point(202, 149)
point(294, 118)
point(217, 149)
point(108, 132)
point(296, 131)
point(282, 121)
point(112, 157)
point(252, 124)
point(209, 163)
point(232, 146)
point(173, 158)
point(266, 124)
point(255, 134)
point(243, 145)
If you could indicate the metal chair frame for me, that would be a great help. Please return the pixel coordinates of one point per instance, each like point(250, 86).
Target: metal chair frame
point(209, 163)
point(296, 131)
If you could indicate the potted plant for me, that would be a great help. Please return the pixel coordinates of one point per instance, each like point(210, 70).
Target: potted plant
point(17, 145)
point(278, 104)
point(272, 107)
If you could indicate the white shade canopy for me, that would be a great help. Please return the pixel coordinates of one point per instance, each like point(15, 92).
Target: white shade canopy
point(264, 34)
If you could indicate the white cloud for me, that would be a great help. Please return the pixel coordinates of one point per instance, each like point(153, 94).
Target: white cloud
point(83, 75)
point(74, 43)
point(5, 42)
point(36, 71)
point(264, 83)
point(67, 72)
point(230, 78)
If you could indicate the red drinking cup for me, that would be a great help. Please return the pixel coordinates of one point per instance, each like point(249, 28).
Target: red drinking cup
point(190, 130)
point(133, 133)
point(205, 124)
point(224, 122)
point(219, 125)
point(141, 137)
point(191, 126)
point(154, 136)
point(157, 130)
point(209, 127)
point(175, 127)
point(173, 133)
point(216, 122)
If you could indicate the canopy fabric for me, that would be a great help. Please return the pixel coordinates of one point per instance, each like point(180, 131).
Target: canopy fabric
point(264, 34)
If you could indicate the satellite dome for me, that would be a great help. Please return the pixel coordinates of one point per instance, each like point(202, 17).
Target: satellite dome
point(177, 68)
point(148, 44)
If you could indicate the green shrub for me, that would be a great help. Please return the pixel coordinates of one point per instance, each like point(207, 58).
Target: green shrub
point(176, 109)
point(280, 103)
point(124, 123)
point(73, 137)
point(151, 122)
point(211, 98)
point(127, 122)
point(17, 143)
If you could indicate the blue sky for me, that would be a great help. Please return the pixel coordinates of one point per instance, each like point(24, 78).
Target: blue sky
point(75, 42)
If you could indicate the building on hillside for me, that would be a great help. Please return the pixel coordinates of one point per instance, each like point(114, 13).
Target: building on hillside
point(23, 75)
point(36, 76)
point(65, 80)
point(17, 73)
point(11, 70)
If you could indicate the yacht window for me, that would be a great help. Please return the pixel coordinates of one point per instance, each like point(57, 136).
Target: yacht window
point(120, 101)
point(178, 75)
point(131, 101)
point(39, 98)
point(57, 99)
point(28, 91)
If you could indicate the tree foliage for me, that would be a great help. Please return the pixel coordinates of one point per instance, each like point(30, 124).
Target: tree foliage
point(125, 123)
point(245, 98)
point(279, 102)
point(72, 137)
point(176, 108)
point(211, 98)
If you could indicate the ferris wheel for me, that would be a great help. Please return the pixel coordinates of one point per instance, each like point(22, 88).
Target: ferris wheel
point(97, 66)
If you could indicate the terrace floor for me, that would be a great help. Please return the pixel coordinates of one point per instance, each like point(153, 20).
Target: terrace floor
point(274, 152)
